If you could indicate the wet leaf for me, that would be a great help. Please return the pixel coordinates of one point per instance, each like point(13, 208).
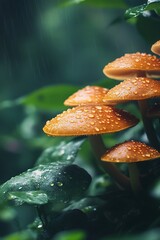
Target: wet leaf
point(49, 98)
point(71, 235)
point(138, 10)
point(88, 205)
point(150, 235)
point(30, 197)
point(59, 182)
point(100, 3)
point(23, 235)
point(65, 152)
point(135, 11)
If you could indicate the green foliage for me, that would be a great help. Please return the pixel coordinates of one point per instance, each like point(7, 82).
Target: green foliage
point(24, 235)
point(49, 98)
point(7, 213)
point(150, 235)
point(73, 235)
point(49, 181)
point(141, 9)
point(69, 205)
point(63, 152)
point(100, 3)
point(30, 197)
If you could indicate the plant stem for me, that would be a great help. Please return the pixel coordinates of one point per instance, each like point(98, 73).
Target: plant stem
point(42, 216)
point(134, 178)
point(99, 149)
point(148, 125)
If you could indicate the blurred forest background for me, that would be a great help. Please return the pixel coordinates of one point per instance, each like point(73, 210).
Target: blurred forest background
point(44, 43)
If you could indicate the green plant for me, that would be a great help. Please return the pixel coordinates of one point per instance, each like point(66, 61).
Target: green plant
point(73, 198)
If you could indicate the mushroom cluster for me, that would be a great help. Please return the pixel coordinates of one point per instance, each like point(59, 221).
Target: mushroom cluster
point(93, 113)
point(90, 117)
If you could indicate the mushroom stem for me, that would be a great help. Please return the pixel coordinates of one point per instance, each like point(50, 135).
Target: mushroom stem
point(148, 125)
point(134, 178)
point(99, 149)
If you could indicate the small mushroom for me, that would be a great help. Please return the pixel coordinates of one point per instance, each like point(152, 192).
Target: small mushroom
point(89, 120)
point(138, 88)
point(92, 121)
point(89, 95)
point(133, 65)
point(156, 48)
point(131, 152)
point(137, 65)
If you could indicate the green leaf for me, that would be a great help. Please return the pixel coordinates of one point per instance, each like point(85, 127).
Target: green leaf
point(153, 5)
point(30, 197)
point(88, 205)
point(100, 3)
point(71, 235)
point(48, 98)
point(150, 235)
point(138, 10)
point(135, 11)
point(59, 182)
point(65, 152)
point(23, 235)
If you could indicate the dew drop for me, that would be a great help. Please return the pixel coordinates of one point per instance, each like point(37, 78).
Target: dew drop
point(39, 226)
point(99, 107)
point(91, 115)
point(59, 184)
point(148, 155)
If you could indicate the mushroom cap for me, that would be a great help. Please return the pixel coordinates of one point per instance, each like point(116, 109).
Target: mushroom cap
point(137, 88)
point(133, 65)
point(130, 151)
point(156, 48)
point(90, 95)
point(89, 120)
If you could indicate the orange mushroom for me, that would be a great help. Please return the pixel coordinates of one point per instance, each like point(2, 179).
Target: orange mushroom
point(133, 65)
point(138, 88)
point(131, 152)
point(89, 120)
point(137, 65)
point(89, 95)
point(156, 48)
point(92, 121)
